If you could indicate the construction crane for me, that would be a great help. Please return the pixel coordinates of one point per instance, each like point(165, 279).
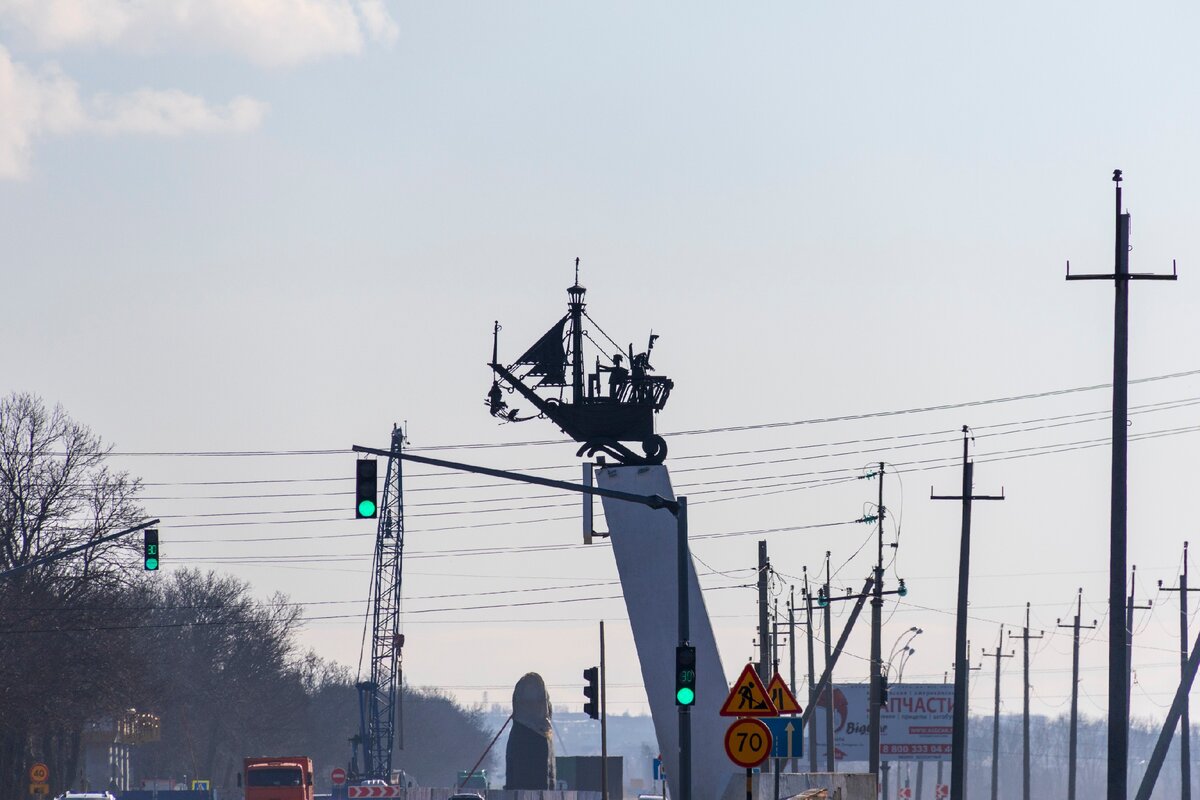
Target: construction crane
point(378, 706)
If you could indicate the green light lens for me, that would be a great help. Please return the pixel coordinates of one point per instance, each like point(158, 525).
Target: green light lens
point(685, 696)
point(367, 508)
point(151, 563)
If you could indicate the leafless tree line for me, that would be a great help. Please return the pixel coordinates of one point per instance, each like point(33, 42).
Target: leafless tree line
point(90, 637)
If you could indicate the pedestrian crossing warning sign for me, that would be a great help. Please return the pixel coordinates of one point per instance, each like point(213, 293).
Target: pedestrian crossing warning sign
point(782, 696)
point(748, 697)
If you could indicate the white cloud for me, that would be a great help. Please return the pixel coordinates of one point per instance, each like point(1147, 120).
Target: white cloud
point(48, 103)
point(266, 32)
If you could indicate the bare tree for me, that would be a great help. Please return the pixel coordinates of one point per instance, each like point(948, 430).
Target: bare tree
point(63, 655)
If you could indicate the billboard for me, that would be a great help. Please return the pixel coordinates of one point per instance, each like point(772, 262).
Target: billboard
point(916, 723)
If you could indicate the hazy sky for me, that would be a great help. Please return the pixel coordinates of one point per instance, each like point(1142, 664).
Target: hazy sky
point(244, 226)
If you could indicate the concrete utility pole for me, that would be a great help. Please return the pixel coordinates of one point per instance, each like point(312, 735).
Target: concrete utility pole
point(1025, 637)
point(764, 632)
point(1185, 728)
point(1118, 683)
point(812, 680)
point(996, 716)
point(965, 749)
point(876, 641)
point(1130, 607)
point(830, 759)
point(792, 655)
point(1073, 747)
point(958, 747)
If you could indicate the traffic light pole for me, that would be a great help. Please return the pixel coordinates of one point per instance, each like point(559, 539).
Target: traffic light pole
point(70, 551)
point(685, 712)
point(677, 507)
point(603, 720)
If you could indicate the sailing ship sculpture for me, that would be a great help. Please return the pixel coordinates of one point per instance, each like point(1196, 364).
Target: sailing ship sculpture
point(616, 404)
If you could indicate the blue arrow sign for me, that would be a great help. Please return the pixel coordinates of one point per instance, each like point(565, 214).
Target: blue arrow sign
point(786, 743)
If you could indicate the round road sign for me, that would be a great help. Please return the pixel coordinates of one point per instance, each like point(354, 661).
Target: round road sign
point(39, 772)
point(748, 742)
point(338, 776)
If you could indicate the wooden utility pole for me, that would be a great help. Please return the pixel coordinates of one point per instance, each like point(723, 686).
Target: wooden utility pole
point(958, 747)
point(1118, 665)
point(1025, 637)
point(1185, 728)
point(1131, 606)
point(1073, 747)
point(996, 716)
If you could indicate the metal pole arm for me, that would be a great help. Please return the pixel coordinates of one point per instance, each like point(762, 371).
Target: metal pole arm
point(653, 501)
point(73, 550)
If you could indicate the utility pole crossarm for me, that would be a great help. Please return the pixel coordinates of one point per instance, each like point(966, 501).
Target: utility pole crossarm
point(653, 501)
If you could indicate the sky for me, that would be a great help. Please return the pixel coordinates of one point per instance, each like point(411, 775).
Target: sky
point(241, 226)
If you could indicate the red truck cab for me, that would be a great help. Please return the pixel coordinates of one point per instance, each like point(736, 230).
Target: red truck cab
point(278, 778)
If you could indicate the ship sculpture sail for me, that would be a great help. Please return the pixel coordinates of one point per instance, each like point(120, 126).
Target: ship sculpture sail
point(616, 404)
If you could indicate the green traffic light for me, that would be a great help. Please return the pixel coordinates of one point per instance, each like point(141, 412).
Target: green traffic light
point(685, 696)
point(151, 563)
point(366, 508)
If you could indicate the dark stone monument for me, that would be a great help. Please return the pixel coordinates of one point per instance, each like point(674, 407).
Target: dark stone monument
point(529, 757)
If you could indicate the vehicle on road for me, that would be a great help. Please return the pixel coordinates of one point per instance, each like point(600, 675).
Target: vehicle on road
point(277, 778)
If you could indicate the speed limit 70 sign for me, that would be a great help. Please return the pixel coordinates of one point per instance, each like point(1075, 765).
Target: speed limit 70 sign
point(748, 742)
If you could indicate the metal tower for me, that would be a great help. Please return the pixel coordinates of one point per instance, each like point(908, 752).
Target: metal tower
point(378, 697)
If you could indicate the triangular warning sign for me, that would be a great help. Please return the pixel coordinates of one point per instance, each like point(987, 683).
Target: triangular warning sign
point(782, 696)
point(748, 697)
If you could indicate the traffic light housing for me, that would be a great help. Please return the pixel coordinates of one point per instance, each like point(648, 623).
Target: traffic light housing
point(685, 675)
point(591, 690)
point(883, 690)
point(366, 488)
point(150, 548)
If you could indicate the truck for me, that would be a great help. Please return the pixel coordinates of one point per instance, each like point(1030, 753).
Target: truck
point(277, 778)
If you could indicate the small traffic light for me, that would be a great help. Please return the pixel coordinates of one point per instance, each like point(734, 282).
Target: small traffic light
point(150, 548)
point(883, 690)
point(366, 488)
point(591, 691)
point(685, 675)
